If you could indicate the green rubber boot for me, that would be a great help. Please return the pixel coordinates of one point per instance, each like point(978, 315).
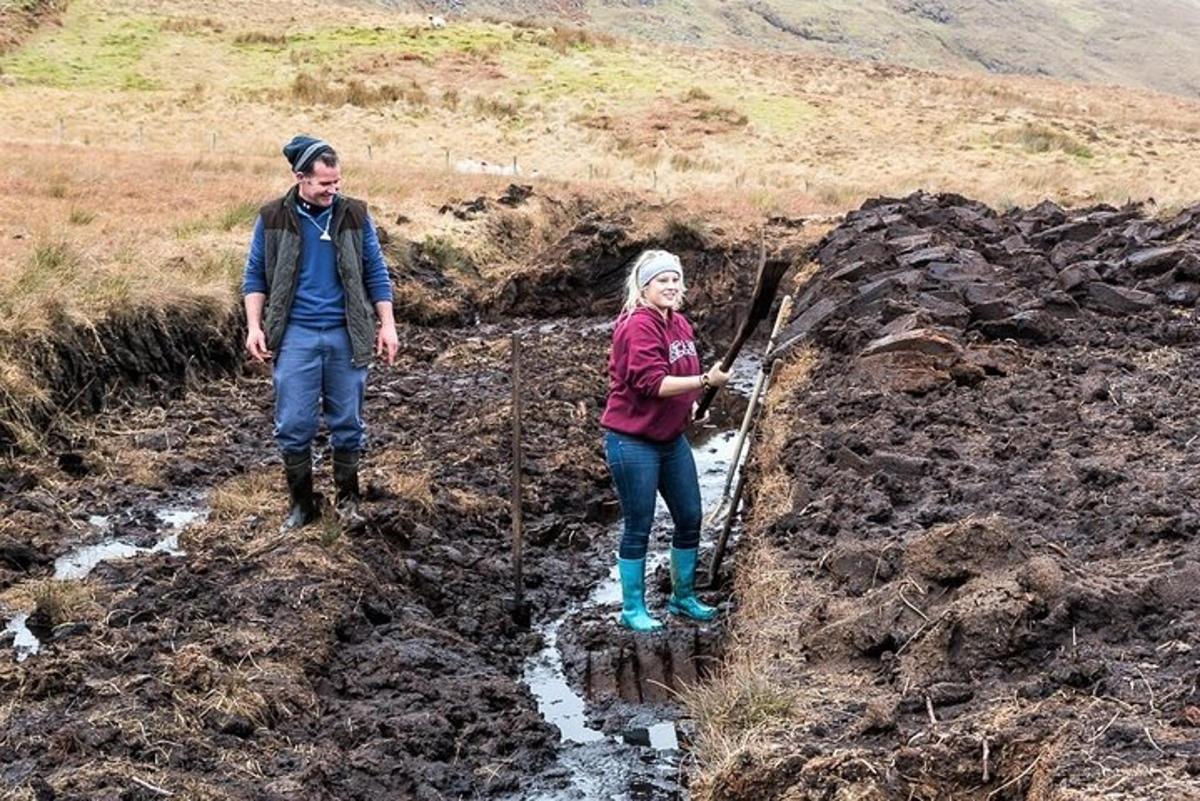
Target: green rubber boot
point(683, 586)
point(633, 596)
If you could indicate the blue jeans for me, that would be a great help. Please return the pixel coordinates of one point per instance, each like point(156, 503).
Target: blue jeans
point(643, 469)
point(313, 375)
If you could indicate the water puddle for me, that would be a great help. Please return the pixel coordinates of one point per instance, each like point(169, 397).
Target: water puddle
point(78, 563)
point(642, 761)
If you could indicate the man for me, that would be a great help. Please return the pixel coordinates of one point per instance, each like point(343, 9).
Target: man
point(316, 269)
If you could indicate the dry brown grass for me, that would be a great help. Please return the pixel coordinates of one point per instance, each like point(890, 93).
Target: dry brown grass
point(474, 504)
point(750, 694)
point(417, 303)
point(753, 692)
point(773, 484)
point(261, 690)
point(61, 602)
point(19, 394)
point(404, 474)
point(246, 495)
point(414, 487)
point(768, 133)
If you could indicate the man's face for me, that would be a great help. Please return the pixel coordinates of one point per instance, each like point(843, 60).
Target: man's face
point(320, 187)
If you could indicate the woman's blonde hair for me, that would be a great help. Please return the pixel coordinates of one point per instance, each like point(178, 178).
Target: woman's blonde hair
point(633, 286)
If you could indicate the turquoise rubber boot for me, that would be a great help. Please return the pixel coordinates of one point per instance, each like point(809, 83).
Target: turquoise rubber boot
point(633, 596)
point(683, 586)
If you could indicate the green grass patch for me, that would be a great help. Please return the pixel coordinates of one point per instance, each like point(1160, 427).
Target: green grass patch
point(90, 51)
point(777, 113)
point(52, 264)
point(1035, 137)
point(337, 43)
point(615, 73)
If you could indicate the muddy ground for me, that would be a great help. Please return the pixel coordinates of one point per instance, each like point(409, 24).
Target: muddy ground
point(378, 663)
point(992, 523)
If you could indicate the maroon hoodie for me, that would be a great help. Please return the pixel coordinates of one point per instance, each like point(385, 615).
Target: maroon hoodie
point(646, 349)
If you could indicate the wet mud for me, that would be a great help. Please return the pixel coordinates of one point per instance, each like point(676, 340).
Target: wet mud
point(379, 662)
point(367, 664)
point(992, 519)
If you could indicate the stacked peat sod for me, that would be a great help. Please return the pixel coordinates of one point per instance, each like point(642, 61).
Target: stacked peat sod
point(930, 280)
point(990, 520)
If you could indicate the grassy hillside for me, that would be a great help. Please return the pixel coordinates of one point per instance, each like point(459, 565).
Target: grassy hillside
point(145, 133)
point(1150, 44)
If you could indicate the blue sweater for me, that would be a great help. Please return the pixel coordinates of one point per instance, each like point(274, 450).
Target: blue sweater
point(320, 300)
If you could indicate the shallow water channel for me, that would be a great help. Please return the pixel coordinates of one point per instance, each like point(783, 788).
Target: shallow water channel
point(642, 761)
point(78, 563)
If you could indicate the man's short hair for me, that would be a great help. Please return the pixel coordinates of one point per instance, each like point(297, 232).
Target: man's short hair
point(329, 158)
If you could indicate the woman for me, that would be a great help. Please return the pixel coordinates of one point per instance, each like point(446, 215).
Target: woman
point(654, 378)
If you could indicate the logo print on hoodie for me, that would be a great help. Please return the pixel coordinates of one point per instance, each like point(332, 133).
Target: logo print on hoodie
point(679, 349)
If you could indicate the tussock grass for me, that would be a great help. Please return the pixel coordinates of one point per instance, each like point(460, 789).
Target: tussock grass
point(1041, 138)
point(327, 530)
point(49, 273)
point(254, 493)
point(261, 38)
point(689, 228)
point(417, 303)
point(191, 25)
point(314, 90)
point(19, 396)
point(564, 39)
point(241, 215)
point(61, 602)
point(496, 107)
point(449, 256)
point(684, 162)
point(415, 487)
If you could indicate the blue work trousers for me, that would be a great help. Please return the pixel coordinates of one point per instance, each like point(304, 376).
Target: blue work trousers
point(314, 376)
point(642, 470)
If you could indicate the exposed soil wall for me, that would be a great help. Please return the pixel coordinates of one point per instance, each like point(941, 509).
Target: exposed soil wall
point(81, 367)
point(590, 263)
point(992, 519)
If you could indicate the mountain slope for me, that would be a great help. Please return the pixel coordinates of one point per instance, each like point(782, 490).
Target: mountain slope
point(1151, 44)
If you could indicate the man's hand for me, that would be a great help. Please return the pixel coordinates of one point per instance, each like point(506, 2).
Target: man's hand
point(387, 343)
point(256, 345)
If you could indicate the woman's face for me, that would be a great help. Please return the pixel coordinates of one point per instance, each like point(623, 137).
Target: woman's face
point(664, 290)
